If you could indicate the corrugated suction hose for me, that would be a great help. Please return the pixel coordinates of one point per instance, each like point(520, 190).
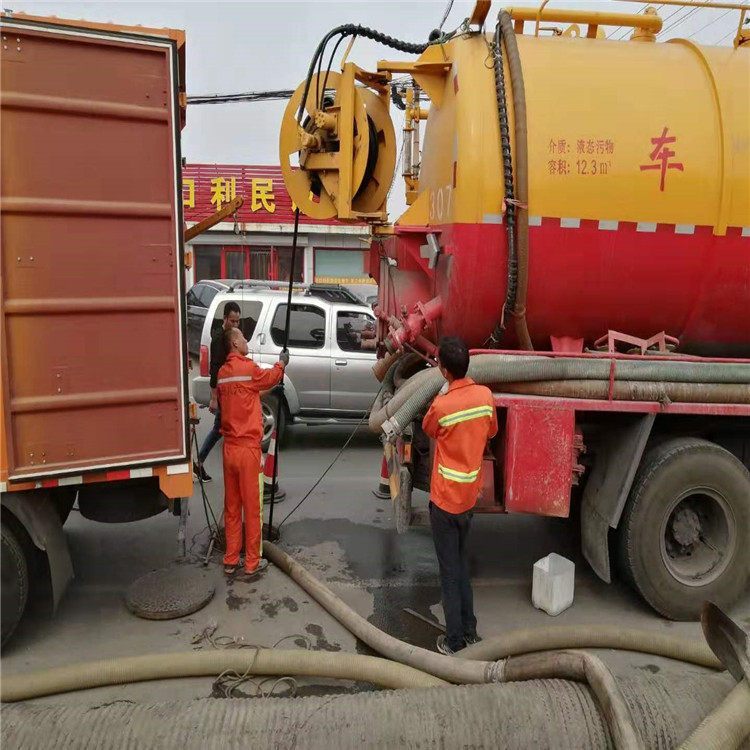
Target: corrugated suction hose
point(575, 665)
point(538, 714)
point(652, 380)
point(124, 670)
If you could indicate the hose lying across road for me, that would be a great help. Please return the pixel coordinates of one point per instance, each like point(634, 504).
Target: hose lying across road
point(530, 640)
point(515, 716)
point(727, 726)
point(575, 377)
point(410, 666)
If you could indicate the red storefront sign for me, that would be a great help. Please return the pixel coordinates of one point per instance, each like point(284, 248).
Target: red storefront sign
point(208, 187)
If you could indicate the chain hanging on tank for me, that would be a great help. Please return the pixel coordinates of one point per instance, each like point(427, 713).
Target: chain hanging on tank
point(496, 52)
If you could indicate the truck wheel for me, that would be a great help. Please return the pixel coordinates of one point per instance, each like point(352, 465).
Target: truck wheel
point(15, 581)
point(269, 407)
point(402, 503)
point(686, 529)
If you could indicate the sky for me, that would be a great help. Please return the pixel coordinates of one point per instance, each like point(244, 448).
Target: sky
point(249, 46)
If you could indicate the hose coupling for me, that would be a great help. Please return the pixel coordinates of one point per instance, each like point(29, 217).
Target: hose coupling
point(495, 671)
point(391, 430)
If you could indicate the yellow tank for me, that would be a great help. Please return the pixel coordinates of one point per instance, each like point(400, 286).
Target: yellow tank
point(594, 107)
point(638, 192)
point(636, 216)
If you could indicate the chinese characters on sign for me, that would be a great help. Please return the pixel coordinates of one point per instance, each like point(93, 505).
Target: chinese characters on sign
point(591, 156)
point(224, 190)
point(661, 156)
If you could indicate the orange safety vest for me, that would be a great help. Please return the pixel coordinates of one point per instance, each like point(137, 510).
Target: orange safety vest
point(460, 421)
point(239, 383)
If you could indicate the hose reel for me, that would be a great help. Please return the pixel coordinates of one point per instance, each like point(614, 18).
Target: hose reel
point(339, 162)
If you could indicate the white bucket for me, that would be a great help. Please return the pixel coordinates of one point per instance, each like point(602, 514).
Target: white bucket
point(554, 581)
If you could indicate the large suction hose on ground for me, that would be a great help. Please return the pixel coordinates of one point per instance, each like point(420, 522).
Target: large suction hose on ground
point(259, 661)
point(727, 726)
point(537, 714)
point(569, 664)
point(675, 380)
point(530, 640)
point(444, 667)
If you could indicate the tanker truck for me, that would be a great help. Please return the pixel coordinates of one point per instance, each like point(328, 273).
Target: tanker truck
point(578, 211)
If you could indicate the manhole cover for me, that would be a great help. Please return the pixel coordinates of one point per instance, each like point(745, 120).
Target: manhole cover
point(169, 593)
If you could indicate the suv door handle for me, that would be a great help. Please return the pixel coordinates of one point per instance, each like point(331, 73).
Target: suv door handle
point(340, 362)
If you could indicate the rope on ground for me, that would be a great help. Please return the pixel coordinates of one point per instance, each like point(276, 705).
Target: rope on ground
point(230, 680)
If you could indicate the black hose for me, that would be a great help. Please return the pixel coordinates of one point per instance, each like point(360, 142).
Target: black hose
point(510, 208)
point(396, 98)
point(357, 30)
point(508, 34)
point(321, 94)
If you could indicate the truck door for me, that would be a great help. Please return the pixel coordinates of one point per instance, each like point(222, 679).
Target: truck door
point(353, 385)
point(309, 351)
point(92, 252)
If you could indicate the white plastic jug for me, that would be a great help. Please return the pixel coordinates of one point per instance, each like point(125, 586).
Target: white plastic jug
point(554, 581)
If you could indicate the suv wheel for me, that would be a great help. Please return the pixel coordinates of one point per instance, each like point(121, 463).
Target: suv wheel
point(270, 408)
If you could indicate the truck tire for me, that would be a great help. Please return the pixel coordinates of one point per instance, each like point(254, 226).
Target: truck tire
point(684, 536)
point(269, 407)
point(15, 581)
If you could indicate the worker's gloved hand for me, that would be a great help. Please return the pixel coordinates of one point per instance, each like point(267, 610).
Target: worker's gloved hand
point(213, 405)
point(284, 358)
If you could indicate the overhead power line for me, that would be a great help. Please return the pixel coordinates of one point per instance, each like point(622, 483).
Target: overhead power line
point(248, 96)
point(710, 23)
point(680, 21)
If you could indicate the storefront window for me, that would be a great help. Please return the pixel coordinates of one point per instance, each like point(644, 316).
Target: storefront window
point(284, 263)
point(207, 262)
point(341, 267)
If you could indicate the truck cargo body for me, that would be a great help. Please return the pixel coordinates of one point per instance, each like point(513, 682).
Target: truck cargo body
point(94, 360)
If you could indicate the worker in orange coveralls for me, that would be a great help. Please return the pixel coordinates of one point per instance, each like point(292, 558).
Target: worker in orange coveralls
point(239, 383)
point(461, 419)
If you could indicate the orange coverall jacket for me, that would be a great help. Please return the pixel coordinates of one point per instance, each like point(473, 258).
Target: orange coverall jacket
point(460, 421)
point(240, 382)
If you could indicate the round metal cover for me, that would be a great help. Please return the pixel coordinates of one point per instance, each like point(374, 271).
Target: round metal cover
point(169, 593)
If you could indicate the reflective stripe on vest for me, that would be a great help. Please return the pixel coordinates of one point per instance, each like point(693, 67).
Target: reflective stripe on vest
point(454, 475)
point(465, 415)
point(234, 379)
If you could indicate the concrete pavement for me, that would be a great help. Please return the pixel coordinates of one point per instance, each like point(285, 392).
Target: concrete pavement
point(345, 536)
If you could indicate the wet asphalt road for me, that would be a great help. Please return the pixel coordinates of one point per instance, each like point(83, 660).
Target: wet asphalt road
point(344, 535)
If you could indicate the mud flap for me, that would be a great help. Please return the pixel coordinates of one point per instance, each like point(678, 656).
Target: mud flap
point(37, 513)
point(608, 487)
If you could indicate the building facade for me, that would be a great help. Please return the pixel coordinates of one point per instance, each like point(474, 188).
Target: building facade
point(256, 243)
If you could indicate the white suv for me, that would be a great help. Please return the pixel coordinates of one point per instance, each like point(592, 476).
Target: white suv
point(331, 350)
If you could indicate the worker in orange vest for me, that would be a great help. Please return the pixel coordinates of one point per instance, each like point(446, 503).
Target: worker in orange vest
point(239, 383)
point(461, 419)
